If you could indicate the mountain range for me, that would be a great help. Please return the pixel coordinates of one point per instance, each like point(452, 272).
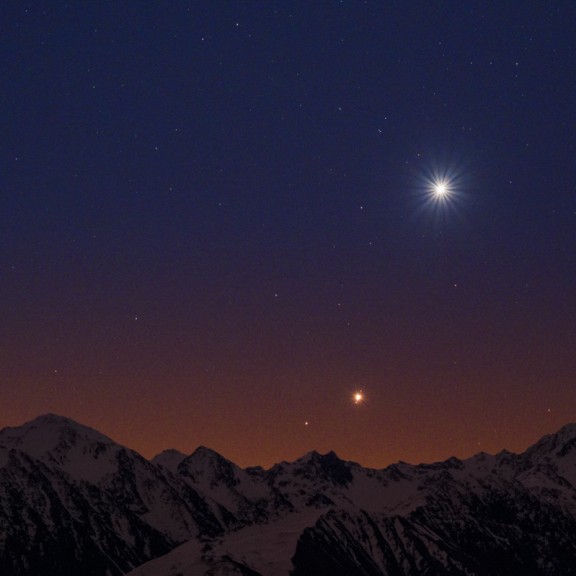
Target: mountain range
point(73, 501)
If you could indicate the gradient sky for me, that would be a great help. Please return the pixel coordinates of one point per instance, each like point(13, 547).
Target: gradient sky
point(216, 224)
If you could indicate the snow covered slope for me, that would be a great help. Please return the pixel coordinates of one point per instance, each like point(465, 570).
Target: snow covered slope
point(72, 501)
point(485, 516)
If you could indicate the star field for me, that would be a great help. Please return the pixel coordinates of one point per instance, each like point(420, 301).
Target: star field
point(220, 221)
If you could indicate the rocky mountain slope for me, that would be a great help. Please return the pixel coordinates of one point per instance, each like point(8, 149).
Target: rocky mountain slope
point(72, 501)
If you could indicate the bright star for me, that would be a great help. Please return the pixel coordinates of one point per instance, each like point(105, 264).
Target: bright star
point(440, 188)
point(358, 397)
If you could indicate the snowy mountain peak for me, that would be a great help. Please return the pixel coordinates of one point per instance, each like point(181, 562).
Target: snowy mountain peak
point(205, 466)
point(314, 456)
point(451, 463)
point(204, 453)
point(169, 459)
point(48, 433)
point(555, 445)
point(61, 482)
point(316, 466)
point(58, 441)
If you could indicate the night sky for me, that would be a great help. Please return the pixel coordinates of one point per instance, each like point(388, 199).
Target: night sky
point(217, 224)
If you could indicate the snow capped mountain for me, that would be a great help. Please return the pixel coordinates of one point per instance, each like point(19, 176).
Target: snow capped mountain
point(54, 440)
point(169, 459)
point(487, 515)
point(72, 501)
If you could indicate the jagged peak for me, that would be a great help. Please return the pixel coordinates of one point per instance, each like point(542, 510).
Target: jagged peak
point(314, 456)
point(568, 431)
point(308, 457)
point(556, 444)
point(172, 452)
point(205, 453)
point(170, 459)
point(203, 459)
point(311, 456)
point(451, 463)
point(207, 465)
point(313, 464)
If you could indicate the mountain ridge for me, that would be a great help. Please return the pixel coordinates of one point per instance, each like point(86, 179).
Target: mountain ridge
point(566, 433)
point(72, 500)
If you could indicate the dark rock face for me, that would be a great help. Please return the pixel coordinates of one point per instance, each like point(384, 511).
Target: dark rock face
point(52, 525)
point(74, 502)
point(499, 535)
point(326, 467)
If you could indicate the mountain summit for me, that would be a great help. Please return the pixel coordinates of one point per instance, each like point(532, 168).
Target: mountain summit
point(72, 501)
